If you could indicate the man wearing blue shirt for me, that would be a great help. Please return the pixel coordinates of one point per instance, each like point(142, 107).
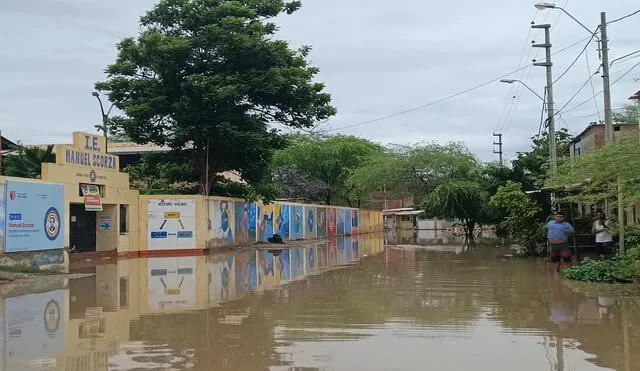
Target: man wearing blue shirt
point(558, 232)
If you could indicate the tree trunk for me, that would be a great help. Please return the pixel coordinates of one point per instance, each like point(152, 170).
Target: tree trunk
point(469, 226)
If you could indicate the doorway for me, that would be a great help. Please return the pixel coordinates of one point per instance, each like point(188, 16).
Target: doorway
point(83, 229)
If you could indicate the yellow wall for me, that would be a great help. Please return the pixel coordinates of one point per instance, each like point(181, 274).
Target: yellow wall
point(115, 185)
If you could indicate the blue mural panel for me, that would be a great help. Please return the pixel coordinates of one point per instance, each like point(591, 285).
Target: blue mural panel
point(311, 221)
point(281, 214)
point(34, 216)
point(265, 222)
point(297, 222)
point(347, 221)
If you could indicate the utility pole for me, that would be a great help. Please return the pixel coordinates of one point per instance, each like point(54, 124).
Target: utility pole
point(608, 120)
point(604, 42)
point(499, 144)
point(553, 161)
point(550, 110)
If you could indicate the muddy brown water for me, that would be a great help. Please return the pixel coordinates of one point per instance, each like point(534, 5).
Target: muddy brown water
point(348, 304)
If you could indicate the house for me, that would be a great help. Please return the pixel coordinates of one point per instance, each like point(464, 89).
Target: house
point(402, 219)
point(593, 137)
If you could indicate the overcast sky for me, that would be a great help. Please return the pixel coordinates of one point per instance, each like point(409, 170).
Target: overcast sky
point(377, 58)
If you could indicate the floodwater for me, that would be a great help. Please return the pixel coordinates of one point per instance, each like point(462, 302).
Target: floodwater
point(349, 304)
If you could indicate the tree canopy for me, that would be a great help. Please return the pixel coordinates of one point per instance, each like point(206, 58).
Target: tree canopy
point(27, 162)
point(208, 77)
point(319, 168)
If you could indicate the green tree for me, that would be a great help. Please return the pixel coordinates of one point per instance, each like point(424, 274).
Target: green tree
point(331, 161)
point(415, 171)
point(208, 77)
point(531, 168)
point(27, 162)
point(595, 174)
point(522, 220)
point(462, 199)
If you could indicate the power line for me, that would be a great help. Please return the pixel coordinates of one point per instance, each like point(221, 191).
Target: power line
point(601, 91)
point(575, 60)
point(437, 101)
point(624, 17)
point(593, 89)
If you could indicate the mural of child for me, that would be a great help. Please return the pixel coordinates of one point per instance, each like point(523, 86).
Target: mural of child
point(225, 218)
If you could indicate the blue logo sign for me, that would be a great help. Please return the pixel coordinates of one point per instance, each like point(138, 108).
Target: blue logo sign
point(92, 176)
point(15, 216)
point(159, 234)
point(52, 223)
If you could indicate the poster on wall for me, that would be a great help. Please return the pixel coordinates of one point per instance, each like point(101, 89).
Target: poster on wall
point(281, 225)
point(34, 329)
point(310, 222)
point(92, 200)
point(34, 215)
point(331, 222)
point(172, 224)
point(321, 229)
point(222, 222)
point(297, 222)
point(265, 221)
point(171, 283)
point(245, 218)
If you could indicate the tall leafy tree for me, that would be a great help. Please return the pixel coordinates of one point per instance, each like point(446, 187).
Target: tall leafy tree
point(208, 77)
point(27, 162)
point(628, 114)
point(329, 162)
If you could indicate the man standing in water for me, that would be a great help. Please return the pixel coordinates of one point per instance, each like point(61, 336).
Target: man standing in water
point(558, 232)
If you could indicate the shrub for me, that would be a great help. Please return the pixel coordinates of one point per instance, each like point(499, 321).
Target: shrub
point(621, 268)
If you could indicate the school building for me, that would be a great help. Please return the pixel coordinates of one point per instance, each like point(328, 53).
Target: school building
point(83, 204)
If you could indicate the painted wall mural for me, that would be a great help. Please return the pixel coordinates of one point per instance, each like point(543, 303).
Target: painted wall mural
point(245, 221)
point(347, 222)
point(321, 229)
point(297, 222)
point(239, 222)
point(281, 225)
point(265, 221)
point(310, 222)
point(222, 222)
point(171, 224)
point(355, 221)
point(332, 227)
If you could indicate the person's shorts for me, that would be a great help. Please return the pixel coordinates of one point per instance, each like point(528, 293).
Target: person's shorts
point(560, 251)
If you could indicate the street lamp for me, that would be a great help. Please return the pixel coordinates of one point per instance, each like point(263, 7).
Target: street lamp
point(511, 81)
point(105, 117)
point(543, 6)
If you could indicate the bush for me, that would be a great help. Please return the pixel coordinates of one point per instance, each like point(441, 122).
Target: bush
point(621, 268)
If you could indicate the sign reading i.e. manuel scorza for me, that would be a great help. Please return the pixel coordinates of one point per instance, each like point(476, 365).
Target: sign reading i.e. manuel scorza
point(34, 216)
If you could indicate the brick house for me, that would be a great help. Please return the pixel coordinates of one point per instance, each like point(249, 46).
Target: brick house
point(593, 137)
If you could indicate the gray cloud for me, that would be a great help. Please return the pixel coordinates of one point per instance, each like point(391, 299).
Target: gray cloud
point(377, 58)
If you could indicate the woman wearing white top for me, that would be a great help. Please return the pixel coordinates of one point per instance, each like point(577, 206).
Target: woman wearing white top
point(603, 237)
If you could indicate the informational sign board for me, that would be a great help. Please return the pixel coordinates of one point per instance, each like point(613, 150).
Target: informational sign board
point(34, 329)
point(92, 200)
point(172, 224)
point(172, 283)
point(34, 216)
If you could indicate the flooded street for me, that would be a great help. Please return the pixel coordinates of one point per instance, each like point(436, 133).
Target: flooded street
point(348, 304)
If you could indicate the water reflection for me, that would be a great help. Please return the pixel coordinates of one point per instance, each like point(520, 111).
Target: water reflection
point(349, 304)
